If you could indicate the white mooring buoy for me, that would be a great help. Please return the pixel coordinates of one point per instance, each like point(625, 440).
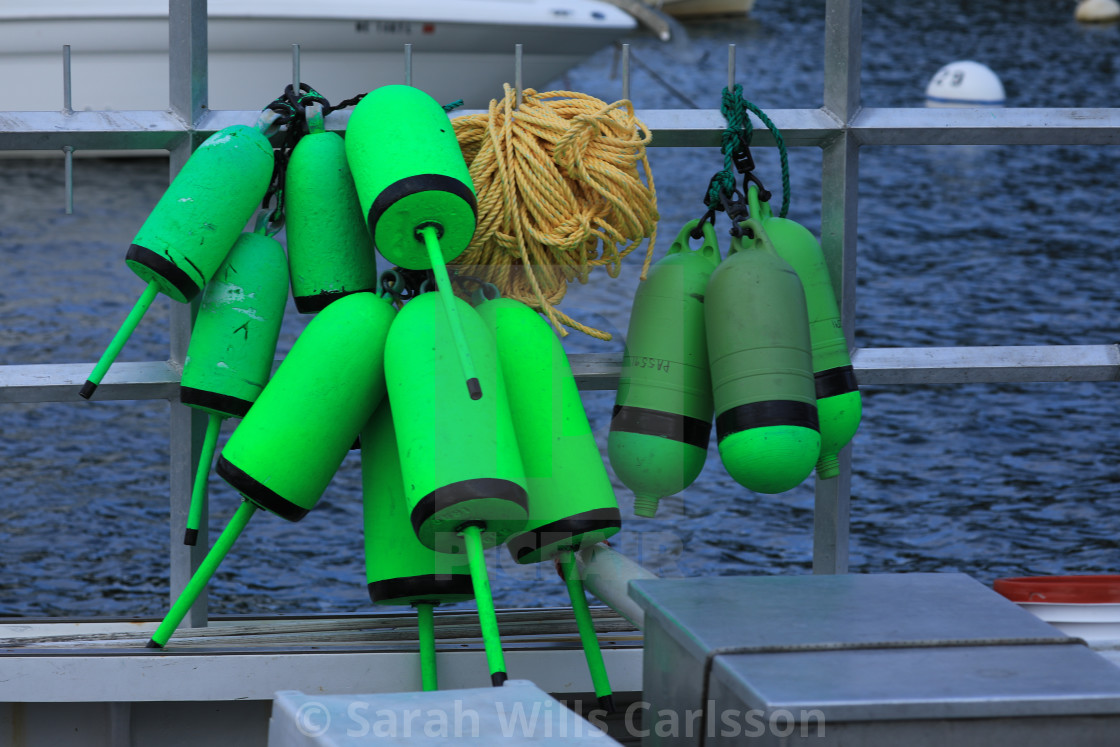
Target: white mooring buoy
point(965, 83)
point(1097, 11)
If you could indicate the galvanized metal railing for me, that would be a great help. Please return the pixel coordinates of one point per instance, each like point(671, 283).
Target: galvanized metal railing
point(839, 129)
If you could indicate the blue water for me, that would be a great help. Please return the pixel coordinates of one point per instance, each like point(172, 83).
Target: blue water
point(957, 246)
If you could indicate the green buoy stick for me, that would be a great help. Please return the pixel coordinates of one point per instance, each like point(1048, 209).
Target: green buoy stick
point(426, 623)
point(198, 493)
point(443, 284)
point(487, 619)
point(591, 649)
point(119, 339)
point(203, 575)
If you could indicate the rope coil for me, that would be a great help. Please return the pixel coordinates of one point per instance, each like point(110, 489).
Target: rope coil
point(563, 186)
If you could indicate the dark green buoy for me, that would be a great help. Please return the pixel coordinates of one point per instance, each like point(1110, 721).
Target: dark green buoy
point(662, 416)
point(839, 406)
point(761, 367)
point(194, 225)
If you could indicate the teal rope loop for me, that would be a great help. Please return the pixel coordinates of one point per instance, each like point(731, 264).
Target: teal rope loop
point(736, 138)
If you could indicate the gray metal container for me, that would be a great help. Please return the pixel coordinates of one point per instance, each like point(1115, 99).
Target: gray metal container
point(914, 659)
point(519, 713)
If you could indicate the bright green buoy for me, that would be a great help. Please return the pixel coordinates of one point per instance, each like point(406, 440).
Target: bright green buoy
point(288, 446)
point(329, 249)
point(399, 569)
point(415, 190)
point(761, 367)
point(662, 417)
point(839, 406)
point(459, 456)
point(463, 477)
point(571, 502)
point(193, 226)
point(233, 345)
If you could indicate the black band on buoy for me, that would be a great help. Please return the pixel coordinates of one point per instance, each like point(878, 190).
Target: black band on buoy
point(573, 526)
point(833, 381)
point(411, 185)
point(165, 268)
point(263, 496)
point(316, 303)
point(234, 407)
point(765, 414)
point(444, 498)
point(676, 427)
point(432, 585)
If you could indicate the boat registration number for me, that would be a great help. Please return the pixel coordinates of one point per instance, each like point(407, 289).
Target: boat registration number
point(405, 28)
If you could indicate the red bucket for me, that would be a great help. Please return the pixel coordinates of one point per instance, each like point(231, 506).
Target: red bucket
point(1102, 589)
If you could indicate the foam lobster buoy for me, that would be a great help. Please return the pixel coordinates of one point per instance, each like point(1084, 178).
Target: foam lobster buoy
point(399, 569)
point(464, 482)
point(409, 172)
point(761, 367)
point(839, 406)
point(329, 249)
point(662, 416)
point(291, 442)
point(415, 190)
point(194, 225)
point(286, 450)
point(233, 345)
point(571, 503)
point(459, 456)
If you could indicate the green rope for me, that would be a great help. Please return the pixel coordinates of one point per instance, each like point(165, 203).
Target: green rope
point(738, 135)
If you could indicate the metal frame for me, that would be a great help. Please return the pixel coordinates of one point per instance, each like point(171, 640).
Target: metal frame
point(839, 128)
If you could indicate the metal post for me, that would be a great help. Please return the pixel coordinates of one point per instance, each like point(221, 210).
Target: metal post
point(517, 65)
point(408, 64)
point(296, 89)
point(839, 208)
point(730, 67)
point(187, 62)
point(626, 72)
point(67, 150)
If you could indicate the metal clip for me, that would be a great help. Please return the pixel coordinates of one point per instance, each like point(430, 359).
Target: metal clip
point(736, 208)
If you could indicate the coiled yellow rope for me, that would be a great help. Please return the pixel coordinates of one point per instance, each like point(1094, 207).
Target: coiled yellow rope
point(559, 193)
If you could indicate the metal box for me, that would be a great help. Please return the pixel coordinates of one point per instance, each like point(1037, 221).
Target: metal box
point(915, 659)
point(518, 713)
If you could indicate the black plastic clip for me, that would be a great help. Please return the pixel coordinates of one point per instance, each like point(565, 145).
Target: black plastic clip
point(744, 164)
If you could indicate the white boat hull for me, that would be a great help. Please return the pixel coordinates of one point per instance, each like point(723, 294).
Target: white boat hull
point(121, 62)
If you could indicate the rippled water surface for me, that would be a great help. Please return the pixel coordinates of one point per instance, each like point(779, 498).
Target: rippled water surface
point(992, 245)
